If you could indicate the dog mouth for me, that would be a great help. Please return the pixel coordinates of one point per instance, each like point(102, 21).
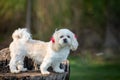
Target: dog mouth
point(64, 42)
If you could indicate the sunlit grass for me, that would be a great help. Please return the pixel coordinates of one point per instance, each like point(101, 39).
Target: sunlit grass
point(93, 70)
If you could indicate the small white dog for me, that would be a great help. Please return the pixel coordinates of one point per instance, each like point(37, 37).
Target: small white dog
point(47, 54)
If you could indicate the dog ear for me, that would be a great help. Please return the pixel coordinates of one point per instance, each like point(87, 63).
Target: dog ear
point(54, 40)
point(74, 44)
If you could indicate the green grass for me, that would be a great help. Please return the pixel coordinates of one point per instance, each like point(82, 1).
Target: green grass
point(93, 70)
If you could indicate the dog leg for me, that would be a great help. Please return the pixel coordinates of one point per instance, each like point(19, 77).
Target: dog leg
point(12, 66)
point(20, 66)
point(56, 68)
point(44, 66)
point(13, 69)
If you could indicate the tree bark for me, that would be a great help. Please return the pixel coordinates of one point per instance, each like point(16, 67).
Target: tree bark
point(31, 74)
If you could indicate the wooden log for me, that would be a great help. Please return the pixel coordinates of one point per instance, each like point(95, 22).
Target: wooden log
point(31, 74)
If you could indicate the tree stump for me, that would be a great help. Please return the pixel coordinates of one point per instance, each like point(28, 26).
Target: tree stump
point(31, 74)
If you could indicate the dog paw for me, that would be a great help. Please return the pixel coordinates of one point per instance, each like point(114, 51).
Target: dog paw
point(15, 71)
point(59, 70)
point(45, 72)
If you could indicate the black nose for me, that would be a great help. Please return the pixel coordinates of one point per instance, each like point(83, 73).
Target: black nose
point(65, 40)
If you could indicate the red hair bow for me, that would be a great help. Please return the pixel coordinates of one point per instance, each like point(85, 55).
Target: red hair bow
point(52, 39)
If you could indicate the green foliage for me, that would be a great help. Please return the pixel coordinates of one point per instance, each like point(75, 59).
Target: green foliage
point(62, 14)
point(114, 8)
point(51, 15)
point(10, 7)
point(94, 10)
point(12, 14)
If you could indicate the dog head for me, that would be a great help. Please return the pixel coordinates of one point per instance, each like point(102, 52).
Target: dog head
point(64, 38)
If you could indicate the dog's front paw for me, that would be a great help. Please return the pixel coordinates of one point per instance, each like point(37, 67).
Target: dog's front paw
point(45, 72)
point(15, 71)
point(59, 70)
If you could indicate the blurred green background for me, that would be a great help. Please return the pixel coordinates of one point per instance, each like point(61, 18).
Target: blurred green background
point(95, 22)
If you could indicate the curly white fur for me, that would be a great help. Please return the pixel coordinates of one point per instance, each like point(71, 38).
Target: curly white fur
point(47, 54)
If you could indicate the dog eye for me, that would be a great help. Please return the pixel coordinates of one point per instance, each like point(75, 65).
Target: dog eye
point(68, 36)
point(61, 36)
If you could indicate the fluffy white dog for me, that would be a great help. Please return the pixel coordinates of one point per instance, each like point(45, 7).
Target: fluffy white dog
point(47, 54)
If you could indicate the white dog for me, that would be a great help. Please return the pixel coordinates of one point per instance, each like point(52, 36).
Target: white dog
point(47, 54)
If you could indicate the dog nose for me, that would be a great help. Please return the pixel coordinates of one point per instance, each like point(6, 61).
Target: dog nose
point(65, 40)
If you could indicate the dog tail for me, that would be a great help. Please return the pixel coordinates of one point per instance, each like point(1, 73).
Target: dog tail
point(22, 34)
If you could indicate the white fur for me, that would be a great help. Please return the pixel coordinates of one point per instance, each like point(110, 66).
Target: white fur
point(45, 53)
